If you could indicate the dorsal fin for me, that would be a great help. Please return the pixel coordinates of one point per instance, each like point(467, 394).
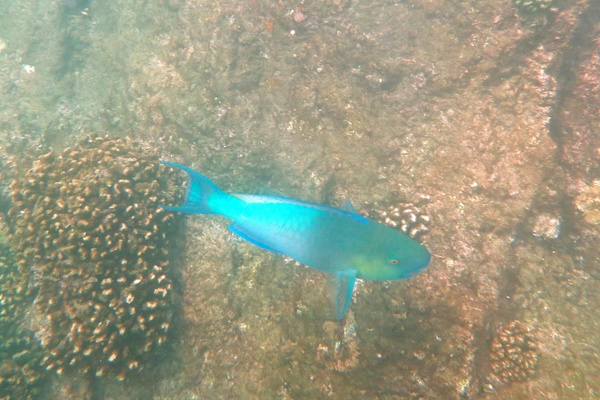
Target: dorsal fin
point(269, 191)
point(268, 199)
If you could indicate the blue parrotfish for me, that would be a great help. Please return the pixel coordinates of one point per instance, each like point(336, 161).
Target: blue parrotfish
point(338, 241)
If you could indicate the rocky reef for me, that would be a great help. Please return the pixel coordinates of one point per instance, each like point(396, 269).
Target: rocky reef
point(92, 248)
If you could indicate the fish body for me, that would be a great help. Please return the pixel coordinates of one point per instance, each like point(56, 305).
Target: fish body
point(339, 242)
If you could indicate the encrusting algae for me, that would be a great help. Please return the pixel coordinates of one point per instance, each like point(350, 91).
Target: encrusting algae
point(92, 247)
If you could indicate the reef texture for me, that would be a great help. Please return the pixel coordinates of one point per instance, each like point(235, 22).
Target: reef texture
point(14, 291)
point(514, 353)
point(588, 203)
point(21, 371)
point(533, 5)
point(92, 245)
point(546, 227)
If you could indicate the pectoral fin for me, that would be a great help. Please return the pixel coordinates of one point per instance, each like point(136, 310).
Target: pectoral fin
point(349, 207)
point(341, 293)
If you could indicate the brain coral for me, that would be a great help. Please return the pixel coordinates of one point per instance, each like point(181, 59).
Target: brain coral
point(93, 245)
point(514, 353)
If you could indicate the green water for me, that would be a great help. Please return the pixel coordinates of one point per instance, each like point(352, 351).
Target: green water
point(484, 115)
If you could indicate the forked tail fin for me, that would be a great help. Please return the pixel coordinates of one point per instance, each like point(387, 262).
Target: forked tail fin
point(202, 197)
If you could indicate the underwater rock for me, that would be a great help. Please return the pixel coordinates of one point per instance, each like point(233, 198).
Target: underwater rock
point(92, 245)
point(514, 353)
point(21, 372)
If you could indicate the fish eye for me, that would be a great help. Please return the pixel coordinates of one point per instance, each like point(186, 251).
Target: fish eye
point(393, 261)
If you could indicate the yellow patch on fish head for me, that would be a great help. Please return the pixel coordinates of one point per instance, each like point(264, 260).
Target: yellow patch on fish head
point(390, 265)
point(376, 267)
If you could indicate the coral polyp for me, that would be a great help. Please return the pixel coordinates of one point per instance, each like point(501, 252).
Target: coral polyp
point(21, 373)
point(92, 244)
point(514, 353)
point(408, 218)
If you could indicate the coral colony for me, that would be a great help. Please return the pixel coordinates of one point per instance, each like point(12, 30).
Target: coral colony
point(21, 372)
point(92, 247)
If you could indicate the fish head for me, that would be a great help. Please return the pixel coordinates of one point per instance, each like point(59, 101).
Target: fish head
point(390, 258)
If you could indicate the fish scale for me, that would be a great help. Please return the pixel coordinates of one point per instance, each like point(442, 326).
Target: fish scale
point(284, 228)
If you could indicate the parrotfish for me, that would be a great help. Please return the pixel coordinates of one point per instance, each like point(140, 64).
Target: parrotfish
point(338, 241)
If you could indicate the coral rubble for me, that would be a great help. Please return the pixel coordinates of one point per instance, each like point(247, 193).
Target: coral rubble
point(92, 244)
